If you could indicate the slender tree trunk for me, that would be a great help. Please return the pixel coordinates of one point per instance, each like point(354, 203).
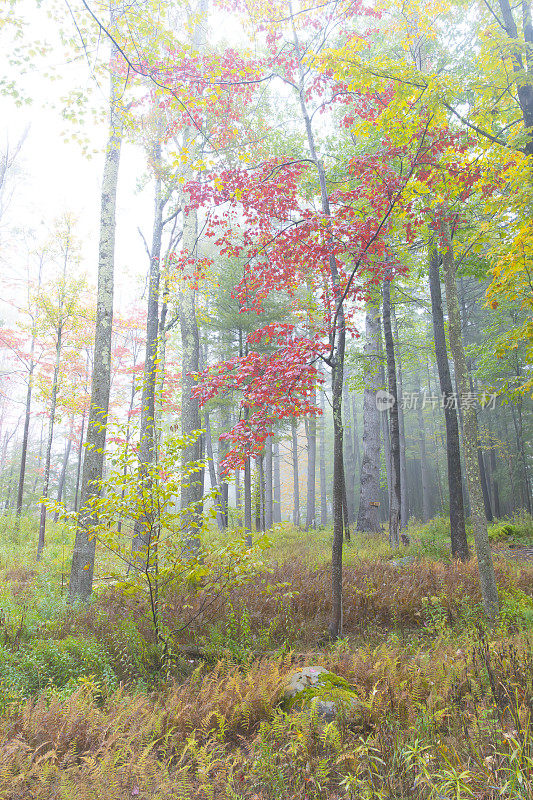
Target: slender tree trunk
point(404, 504)
point(322, 469)
point(146, 528)
point(484, 484)
point(222, 482)
point(385, 433)
point(356, 448)
point(261, 492)
point(336, 357)
point(133, 392)
point(494, 475)
point(385, 429)
point(395, 496)
point(247, 503)
point(455, 484)
point(269, 493)
point(510, 463)
point(368, 516)
point(238, 495)
point(82, 570)
point(435, 436)
point(62, 476)
point(424, 466)
point(487, 576)
point(276, 515)
point(212, 473)
point(516, 413)
point(80, 459)
point(345, 509)
point(310, 513)
point(48, 454)
point(39, 458)
point(193, 484)
point(26, 431)
point(296, 479)
point(335, 627)
point(349, 457)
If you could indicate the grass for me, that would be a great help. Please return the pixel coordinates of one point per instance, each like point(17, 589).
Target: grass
point(87, 713)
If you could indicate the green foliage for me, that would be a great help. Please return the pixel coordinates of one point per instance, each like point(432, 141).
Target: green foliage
point(235, 637)
point(516, 606)
point(163, 547)
point(42, 664)
point(502, 530)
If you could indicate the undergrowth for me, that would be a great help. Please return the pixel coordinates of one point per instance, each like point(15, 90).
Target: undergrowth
point(87, 713)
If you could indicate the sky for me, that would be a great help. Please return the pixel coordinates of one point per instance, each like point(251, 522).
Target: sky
point(55, 176)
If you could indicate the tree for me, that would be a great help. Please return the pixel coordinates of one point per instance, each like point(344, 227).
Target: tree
point(82, 568)
point(58, 306)
point(368, 516)
point(453, 448)
point(395, 485)
point(470, 431)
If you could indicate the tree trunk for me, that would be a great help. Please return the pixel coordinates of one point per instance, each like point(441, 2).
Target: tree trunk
point(404, 501)
point(322, 470)
point(395, 496)
point(494, 475)
point(435, 435)
point(48, 454)
point(133, 392)
point(368, 516)
point(487, 576)
point(484, 484)
point(217, 499)
point(82, 570)
point(349, 457)
point(453, 452)
point(277, 485)
point(192, 487)
point(269, 510)
point(222, 451)
point(356, 448)
point(261, 492)
point(424, 466)
point(238, 496)
point(336, 358)
point(39, 459)
point(310, 512)
point(146, 528)
point(385, 430)
point(62, 476)
point(345, 509)
point(80, 459)
point(26, 431)
point(247, 503)
point(335, 627)
point(519, 433)
point(296, 479)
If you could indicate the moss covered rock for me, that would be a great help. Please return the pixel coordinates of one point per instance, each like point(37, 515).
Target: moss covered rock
point(332, 695)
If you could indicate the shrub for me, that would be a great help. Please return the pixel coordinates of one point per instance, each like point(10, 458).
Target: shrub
point(42, 664)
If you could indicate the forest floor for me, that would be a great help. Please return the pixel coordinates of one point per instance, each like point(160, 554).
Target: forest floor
point(443, 702)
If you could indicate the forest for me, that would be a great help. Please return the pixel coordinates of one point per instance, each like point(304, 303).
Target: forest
point(266, 382)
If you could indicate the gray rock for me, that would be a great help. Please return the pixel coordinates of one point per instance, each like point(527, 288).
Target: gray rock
point(402, 562)
point(331, 694)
